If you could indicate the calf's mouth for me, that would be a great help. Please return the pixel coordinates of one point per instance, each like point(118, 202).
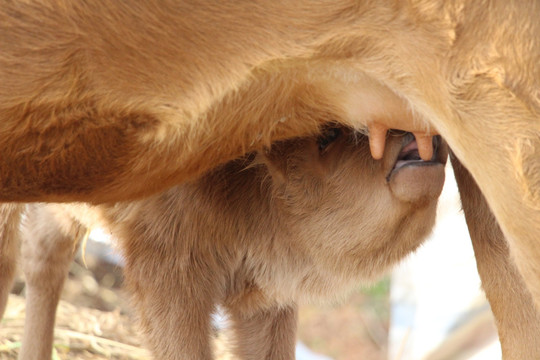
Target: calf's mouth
point(410, 156)
point(412, 179)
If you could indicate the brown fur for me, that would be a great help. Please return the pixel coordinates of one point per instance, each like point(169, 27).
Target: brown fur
point(104, 101)
point(258, 236)
point(517, 320)
point(93, 95)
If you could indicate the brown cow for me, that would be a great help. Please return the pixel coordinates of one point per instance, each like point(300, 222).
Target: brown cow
point(304, 220)
point(104, 101)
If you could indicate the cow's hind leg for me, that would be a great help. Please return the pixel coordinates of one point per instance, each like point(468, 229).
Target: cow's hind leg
point(517, 320)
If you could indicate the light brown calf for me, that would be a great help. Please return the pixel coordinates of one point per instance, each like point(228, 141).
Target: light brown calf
point(303, 221)
point(107, 100)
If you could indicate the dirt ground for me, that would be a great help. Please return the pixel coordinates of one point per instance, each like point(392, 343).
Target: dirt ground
point(94, 321)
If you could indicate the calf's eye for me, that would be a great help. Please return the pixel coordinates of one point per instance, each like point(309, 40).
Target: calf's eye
point(327, 137)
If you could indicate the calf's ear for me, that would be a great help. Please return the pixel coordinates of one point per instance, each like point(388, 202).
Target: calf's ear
point(275, 160)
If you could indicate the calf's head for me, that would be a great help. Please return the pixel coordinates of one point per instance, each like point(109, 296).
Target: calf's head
point(349, 208)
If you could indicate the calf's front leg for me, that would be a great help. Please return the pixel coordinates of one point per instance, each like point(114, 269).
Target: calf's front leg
point(174, 296)
point(49, 245)
point(268, 334)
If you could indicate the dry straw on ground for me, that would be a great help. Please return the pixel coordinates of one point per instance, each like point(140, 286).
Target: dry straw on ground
point(82, 334)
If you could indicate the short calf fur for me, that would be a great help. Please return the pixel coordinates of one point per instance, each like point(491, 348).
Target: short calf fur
point(304, 220)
